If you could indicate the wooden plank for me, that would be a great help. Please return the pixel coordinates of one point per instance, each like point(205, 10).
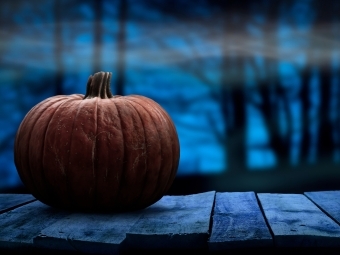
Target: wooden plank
point(238, 222)
point(297, 222)
point(329, 201)
point(174, 222)
point(11, 201)
point(88, 233)
point(19, 226)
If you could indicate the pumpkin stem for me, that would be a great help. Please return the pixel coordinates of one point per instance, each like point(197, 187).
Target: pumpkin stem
point(98, 85)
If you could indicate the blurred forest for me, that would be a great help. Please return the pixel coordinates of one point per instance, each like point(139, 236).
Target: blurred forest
point(252, 86)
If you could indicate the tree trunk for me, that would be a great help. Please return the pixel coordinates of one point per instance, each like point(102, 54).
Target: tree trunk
point(58, 48)
point(121, 47)
point(98, 33)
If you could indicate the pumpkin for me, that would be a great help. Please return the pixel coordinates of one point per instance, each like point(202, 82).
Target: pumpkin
point(98, 151)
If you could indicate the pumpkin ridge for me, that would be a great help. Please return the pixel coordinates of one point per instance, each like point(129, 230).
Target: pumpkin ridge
point(27, 179)
point(132, 130)
point(119, 171)
point(155, 193)
point(174, 165)
point(94, 154)
point(33, 180)
point(70, 197)
point(174, 150)
point(77, 170)
point(18, 134)
point(146, 153)
point(122, 175)
point(18, 139)
point(45, 180)
point(161, 114)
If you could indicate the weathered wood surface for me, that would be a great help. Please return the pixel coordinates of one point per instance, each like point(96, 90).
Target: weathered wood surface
point(174, 222)
point(11, 201)
point(90, 233)
point(297, 222)
point(18, 227)
point(238, 222)
point(181, 223)
point(329, 201)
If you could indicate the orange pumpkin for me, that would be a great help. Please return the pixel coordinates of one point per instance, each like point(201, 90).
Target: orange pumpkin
point(98, 151)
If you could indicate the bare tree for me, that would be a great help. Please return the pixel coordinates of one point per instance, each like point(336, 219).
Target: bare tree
point(58, 47)
point(121, 47)
point(98, 34)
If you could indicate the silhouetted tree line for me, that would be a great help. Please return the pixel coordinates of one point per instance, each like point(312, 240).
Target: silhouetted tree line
point(310, 104)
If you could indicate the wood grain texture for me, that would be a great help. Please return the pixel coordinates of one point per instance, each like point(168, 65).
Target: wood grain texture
point(19, 226)
point(238, 222)
point(329, 201)
point(174, 222)
point(297, 222)
point(88, 233)
point(11, 201)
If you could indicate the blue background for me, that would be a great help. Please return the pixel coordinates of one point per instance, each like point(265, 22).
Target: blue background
point(253, 87)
